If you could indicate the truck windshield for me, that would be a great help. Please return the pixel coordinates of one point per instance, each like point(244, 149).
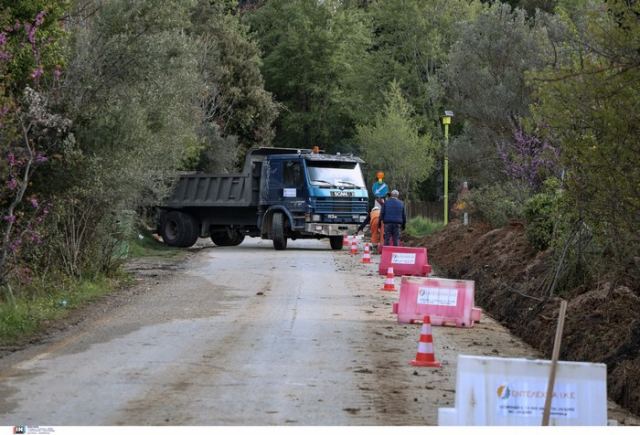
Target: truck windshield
point(329, 174)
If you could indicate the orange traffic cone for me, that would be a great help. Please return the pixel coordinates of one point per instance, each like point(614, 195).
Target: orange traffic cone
point(425, 356)
point(366, 254)
point(389, 283)
point(354, 246)
point(345, 241)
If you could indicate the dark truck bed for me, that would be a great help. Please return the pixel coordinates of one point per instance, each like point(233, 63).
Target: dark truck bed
point(198, 190)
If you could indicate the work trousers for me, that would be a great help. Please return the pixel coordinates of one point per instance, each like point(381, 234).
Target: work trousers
point(392, 234)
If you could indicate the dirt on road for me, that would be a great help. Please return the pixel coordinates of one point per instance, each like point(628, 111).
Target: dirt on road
point(244, 336)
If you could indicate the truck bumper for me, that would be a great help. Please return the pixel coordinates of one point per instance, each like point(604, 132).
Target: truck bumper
point(330, 229)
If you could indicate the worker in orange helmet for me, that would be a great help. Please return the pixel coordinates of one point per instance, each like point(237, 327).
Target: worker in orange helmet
point(377, 232)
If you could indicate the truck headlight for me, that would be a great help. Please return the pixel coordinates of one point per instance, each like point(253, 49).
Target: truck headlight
point(316, 218)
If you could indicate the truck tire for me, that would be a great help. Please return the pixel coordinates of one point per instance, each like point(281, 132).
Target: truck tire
point(224, 239)
point(179, 229)
point(237, 239)
point(278, 233)
point(221, 239)
point(336, 242)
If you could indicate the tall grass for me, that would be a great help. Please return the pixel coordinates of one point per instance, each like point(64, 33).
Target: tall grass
point(26, 314)
point(421, 227)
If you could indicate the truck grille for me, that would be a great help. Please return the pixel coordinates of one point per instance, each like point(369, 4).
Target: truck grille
point(340, 205)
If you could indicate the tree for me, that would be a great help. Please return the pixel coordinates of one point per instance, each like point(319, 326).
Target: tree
point(486, 84)
point(30, 132)
point(393, 144)
point(237, 112)
point(411, 43)
point(310, 49)
point(131, 89)
point(590, 104)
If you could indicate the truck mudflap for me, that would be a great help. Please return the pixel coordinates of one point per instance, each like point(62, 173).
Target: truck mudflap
point(330, 229)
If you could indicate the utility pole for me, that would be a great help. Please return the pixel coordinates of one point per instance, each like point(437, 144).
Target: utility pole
point(446, 121)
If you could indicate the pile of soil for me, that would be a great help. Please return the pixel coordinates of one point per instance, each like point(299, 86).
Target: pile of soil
point(512, 285)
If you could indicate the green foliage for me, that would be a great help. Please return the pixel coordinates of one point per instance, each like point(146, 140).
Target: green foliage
point(531, 5)
point(410, 45)
point(590, 104)
point(28, 48)
point(542, 212)
point(311, 51)
point(421, 227)
point(487, 87)
point(499, 203)
point(393, 144)
point(236, 109)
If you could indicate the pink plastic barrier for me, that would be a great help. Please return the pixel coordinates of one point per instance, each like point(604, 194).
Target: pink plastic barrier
point(446, 301)
point(405, 261)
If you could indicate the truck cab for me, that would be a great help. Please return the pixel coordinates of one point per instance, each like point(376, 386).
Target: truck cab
point(282, 194)
point(321, 195)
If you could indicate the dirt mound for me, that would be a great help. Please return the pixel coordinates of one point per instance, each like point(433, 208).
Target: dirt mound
point(512, 284)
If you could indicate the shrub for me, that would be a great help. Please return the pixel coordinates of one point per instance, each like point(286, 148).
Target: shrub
point(420, 226)
point(541, 212)
point(499, 203)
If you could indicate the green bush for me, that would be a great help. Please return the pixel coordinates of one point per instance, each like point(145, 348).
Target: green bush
point(420, 227)
point(499, 203)
point(541, 212)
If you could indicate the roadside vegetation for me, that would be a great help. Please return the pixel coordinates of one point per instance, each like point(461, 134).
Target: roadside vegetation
point(419, 227)
point(145, 245)
point(49, 302)
point(103, 102)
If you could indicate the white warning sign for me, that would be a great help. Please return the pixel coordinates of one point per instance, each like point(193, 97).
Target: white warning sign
point(442, 296)
point(403, 258)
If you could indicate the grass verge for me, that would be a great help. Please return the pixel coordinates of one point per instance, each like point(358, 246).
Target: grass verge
point(27, 314)
point(421, 227)
point(42, 302)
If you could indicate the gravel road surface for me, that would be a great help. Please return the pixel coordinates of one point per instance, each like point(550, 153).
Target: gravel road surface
point(244, 336)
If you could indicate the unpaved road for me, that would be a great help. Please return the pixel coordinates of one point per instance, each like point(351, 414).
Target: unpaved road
point(245, 336)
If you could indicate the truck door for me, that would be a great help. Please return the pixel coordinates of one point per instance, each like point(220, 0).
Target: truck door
point(293, 185)
point(283, 182)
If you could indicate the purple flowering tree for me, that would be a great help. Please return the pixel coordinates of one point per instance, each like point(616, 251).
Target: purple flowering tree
point(529, 159)
point(28, 132)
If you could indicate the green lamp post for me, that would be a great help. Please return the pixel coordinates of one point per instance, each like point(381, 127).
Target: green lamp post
point(446, 121)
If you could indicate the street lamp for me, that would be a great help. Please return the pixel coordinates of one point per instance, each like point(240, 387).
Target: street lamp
point(446, 120)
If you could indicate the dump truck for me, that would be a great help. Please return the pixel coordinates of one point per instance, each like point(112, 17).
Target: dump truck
point(282, 193)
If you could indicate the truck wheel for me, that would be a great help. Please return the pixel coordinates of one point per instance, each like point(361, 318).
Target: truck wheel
point(237, 239)
point(221, 239)
point(336, 242)
point(277, 232)
point(179, 229)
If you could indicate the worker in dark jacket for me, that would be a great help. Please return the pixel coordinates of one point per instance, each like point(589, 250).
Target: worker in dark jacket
point(394, 218)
